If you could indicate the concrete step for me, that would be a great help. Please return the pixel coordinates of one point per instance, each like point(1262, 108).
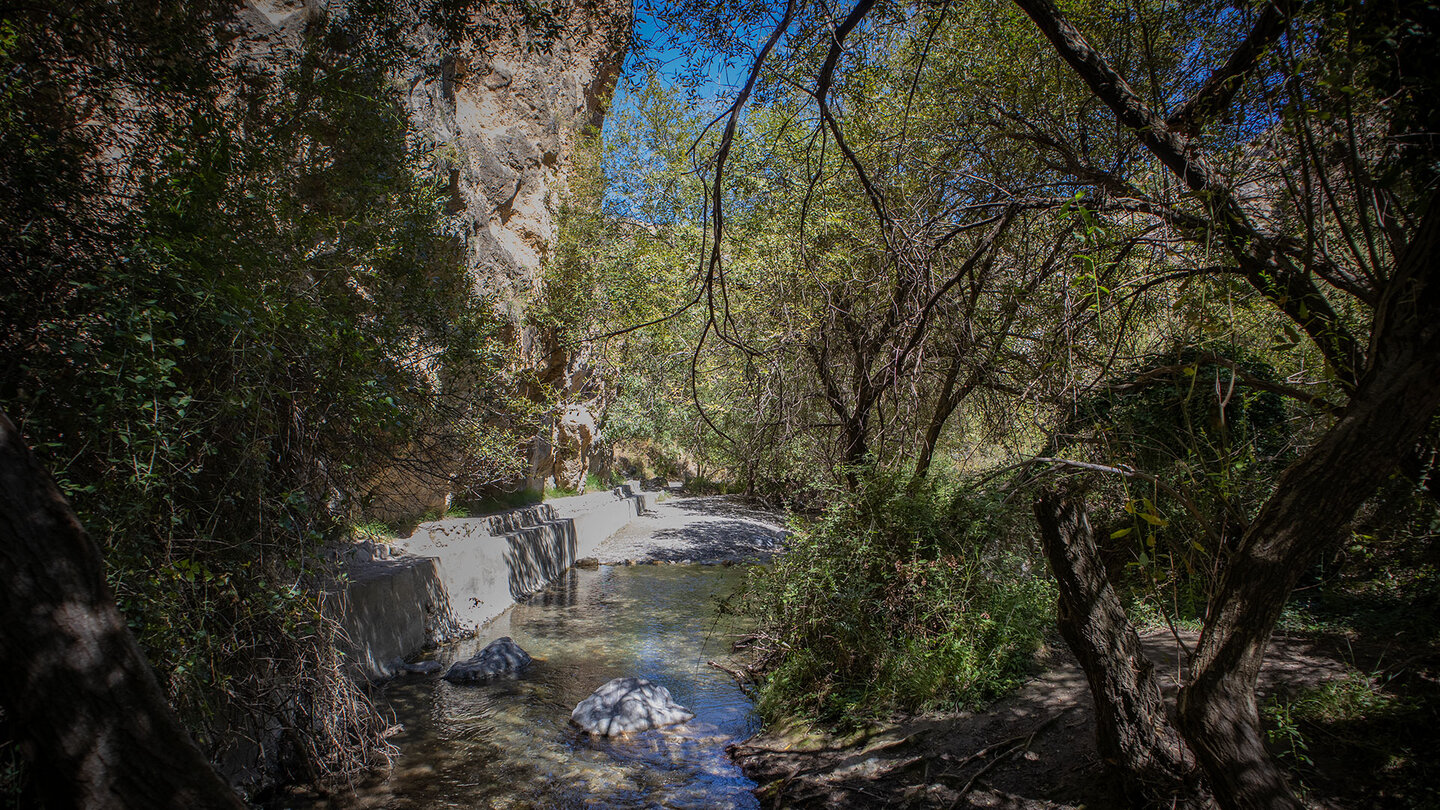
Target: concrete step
point(460, 573)
point(516, 519)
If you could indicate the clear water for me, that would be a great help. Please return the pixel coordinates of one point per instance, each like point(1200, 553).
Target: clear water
point(510, 743)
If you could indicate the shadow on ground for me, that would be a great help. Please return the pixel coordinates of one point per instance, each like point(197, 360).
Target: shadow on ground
point(701, 529)
point(1035, 749)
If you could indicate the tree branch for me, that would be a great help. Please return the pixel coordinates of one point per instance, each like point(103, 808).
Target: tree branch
point(1217, 92)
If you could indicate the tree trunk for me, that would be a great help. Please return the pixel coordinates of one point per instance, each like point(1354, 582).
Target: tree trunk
point(92, 718)
point(944, 406)
point(1390, 406)
point(1305, 517)
point(1137, 743)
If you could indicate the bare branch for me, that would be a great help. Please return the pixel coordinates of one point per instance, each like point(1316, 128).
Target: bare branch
point(1217, 92)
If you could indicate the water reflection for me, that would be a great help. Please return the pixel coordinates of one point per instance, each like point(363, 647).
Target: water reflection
point(510, 743)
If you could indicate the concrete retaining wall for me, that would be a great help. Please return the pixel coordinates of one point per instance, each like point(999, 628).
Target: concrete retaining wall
point(452, 576)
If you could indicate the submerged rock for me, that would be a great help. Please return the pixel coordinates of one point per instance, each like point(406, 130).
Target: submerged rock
point(627, 705)
point(396, 667)
point(421, 667)
point(500, 657)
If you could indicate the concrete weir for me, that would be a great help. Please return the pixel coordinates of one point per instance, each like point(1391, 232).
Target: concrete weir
point(452, 576)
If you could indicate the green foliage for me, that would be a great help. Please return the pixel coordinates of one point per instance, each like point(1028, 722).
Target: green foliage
point(1353, 697)
point(1185, 406)
point(553, 491)
point(13, 775)
point(216, 368)
point(896, 599)
point(1213, 436)
point(1284, 734)
point(595, 482)
point(1365, 723)
point(502, 501)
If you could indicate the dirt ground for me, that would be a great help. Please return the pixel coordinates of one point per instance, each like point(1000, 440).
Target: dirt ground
point(706, 529)
point(1034, 749)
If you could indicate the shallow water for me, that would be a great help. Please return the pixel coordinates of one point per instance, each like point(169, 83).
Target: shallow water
point(510, 743)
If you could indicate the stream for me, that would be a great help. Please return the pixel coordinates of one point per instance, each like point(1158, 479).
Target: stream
point(510, 743)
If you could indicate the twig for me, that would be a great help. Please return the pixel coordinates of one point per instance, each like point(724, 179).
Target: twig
point(742, 678)
point(1016, 743)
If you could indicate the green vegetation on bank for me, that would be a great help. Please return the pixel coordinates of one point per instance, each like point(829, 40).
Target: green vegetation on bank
point(897, 599)
point(227, 323)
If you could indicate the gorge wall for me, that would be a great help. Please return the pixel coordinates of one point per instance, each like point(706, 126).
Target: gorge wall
point(502, 112)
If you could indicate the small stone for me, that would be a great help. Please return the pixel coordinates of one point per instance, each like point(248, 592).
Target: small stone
point(423, 667)
point(588, 563)
point(628, 705)
point(500, 657)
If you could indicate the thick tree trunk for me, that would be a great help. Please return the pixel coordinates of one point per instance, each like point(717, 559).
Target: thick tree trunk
point(1136, 741)
point(94, 722)
point(1391, 403)
point(1305, 517)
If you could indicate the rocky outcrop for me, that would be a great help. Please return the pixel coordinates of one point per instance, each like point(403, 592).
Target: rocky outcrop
point(628, 705)
point(500, 113)
point(505, 117)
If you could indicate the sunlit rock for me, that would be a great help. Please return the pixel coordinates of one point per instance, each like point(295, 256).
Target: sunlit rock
point(628, 705)
point(500, 657)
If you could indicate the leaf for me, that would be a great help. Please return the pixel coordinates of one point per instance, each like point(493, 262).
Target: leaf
point(1154, 520)
point(1119, 533)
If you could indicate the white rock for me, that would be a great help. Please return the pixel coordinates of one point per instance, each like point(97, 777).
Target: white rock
point(628, 705)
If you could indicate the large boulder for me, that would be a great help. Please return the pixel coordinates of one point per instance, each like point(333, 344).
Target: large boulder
point(628, 705)
point(500, 657)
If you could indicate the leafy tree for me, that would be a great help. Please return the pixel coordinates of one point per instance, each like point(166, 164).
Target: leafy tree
point(1274, 154)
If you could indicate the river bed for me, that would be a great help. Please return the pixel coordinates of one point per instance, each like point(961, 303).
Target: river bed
point(510, 743)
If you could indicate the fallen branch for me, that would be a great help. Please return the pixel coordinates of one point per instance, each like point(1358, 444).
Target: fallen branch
point(743, 678)
point(1017, 743)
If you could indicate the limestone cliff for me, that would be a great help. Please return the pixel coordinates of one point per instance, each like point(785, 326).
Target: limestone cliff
point(508, 115)
point(501, 111)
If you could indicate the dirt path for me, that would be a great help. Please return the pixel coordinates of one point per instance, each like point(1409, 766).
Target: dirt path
point(1034, 749)
point(698, 529)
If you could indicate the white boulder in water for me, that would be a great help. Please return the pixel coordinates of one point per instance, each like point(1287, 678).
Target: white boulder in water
point(627, 705)
point(500, 657)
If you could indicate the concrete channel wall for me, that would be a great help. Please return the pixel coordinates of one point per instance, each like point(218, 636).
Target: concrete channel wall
point(452, 576)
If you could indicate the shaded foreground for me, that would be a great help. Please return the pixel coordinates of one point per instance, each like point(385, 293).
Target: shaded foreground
point(1035, 749)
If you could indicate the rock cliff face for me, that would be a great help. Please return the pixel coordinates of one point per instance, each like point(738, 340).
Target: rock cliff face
point(509, 114)
point(503, 112)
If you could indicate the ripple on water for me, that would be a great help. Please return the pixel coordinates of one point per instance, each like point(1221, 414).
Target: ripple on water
point(510, 744)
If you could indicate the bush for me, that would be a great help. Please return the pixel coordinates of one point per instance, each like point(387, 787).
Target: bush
point(1201, 427)
point(219, 348)
point(896, 600)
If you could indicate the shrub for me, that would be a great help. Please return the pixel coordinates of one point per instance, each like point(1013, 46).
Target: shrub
point(226, 335)
point(896, 600)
